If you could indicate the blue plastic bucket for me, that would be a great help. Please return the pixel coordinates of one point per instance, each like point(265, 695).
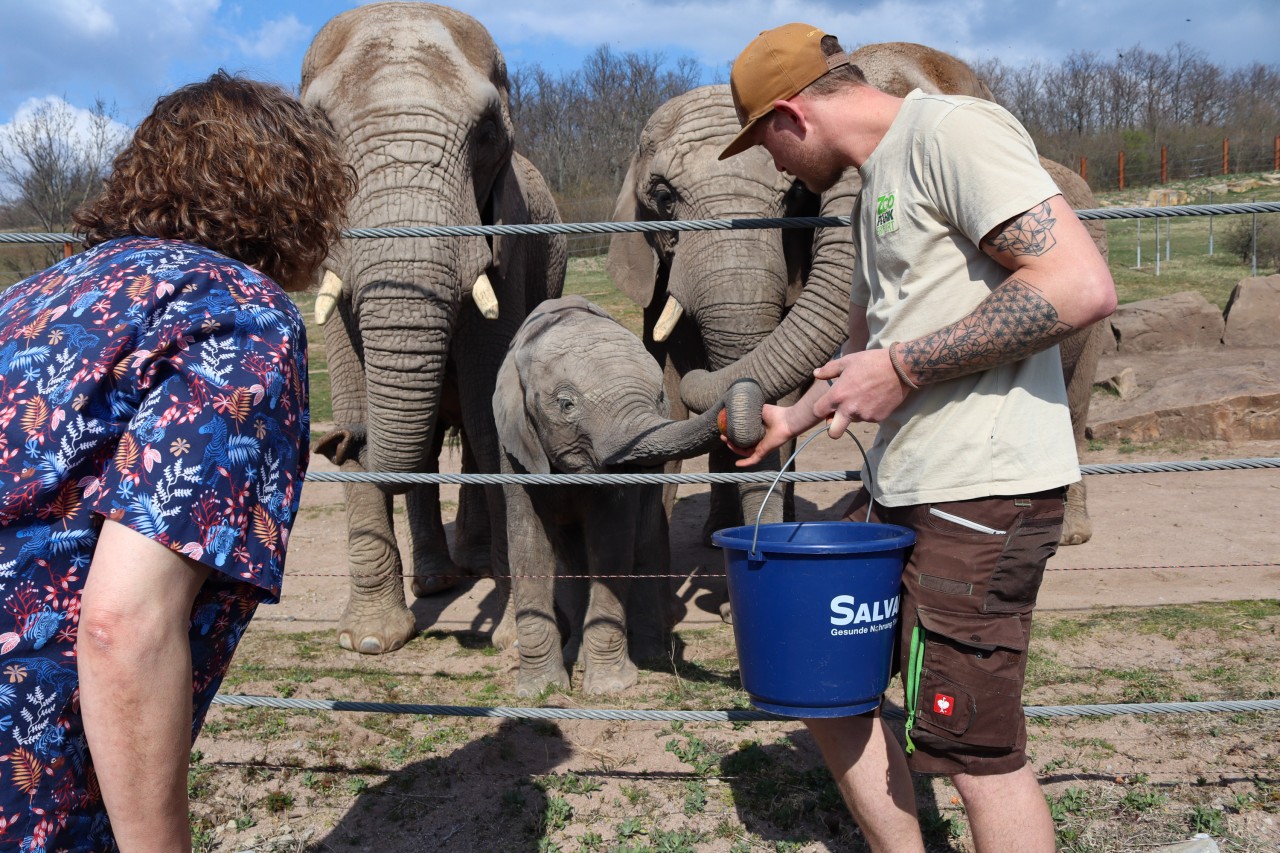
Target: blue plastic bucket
point(815, 608)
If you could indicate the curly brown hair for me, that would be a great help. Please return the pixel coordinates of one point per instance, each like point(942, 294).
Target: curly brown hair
point(234, 165)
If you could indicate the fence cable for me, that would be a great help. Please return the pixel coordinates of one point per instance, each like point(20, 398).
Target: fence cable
point(696, 224)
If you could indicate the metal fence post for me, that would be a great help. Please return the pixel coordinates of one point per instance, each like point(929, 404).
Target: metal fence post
point(1139, 244)
point(1211, 226)
point(1253, 247)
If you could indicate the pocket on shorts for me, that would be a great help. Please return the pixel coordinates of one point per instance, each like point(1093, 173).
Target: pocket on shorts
point(970, 682)
point(1015, 582)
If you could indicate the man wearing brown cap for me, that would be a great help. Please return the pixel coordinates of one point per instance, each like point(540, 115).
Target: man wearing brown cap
point(970, 267)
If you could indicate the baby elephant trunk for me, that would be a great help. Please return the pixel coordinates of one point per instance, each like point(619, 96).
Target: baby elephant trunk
point(736, 416)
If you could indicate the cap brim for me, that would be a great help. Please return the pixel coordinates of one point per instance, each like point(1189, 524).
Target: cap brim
point(743, 140)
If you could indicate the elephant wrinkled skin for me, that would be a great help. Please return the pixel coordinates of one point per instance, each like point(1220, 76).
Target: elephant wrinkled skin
point(773, 304)
point(417, 328)
point(578, 394)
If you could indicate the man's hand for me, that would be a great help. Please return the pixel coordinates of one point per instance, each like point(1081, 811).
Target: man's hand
point(864, 388)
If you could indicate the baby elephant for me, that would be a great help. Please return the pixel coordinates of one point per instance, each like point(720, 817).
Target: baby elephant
point(578, 394)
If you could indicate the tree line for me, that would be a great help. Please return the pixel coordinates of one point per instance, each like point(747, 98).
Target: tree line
point(579, 127)
point(1139, 102)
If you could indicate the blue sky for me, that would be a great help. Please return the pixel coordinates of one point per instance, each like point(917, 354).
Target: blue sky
point(128, 52)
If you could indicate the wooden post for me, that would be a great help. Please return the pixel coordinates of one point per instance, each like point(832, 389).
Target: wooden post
point(1084, 163)
point(1164, 164)
point(1226, 152)
point(1276, 159)
point(1121, 170)
point(66, 250)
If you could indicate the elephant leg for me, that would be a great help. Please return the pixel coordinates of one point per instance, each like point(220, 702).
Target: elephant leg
point(651, 601)
point(610, 532)
point(471, 539)
point(533, 597)
point(376, 620)
point(433, 571)
point(1080, 354)
point(571, 593)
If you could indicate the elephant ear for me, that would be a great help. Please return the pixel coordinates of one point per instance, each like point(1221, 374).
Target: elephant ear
point(632, 264)
point(516, 435)
point(797, 243)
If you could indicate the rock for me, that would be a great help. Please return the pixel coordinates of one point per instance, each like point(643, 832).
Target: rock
point(1253, 313)
point(1179, 321)
point(1124, 384)
point(1166, 198)
point(1202, 843)
point(1222, 394)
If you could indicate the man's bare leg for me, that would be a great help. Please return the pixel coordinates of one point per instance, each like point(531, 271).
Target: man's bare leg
point(1007, 811)
point(872, 775)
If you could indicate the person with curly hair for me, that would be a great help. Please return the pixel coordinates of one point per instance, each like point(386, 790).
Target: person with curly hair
point(154, 436)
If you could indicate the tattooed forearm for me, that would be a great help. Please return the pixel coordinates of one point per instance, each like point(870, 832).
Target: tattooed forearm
point(1012, 323)
point(1029, 233)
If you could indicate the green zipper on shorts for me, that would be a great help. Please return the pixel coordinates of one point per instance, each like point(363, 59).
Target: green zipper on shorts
point(915, 662)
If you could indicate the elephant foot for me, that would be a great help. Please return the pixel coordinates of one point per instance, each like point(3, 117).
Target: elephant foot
point(726, 613)
point(430, 584)
point(504, 635)
point(601, 679)
point(1076, 527)
point(648, 648)
point(376, 633)
point(472, 561)
point(530, 684)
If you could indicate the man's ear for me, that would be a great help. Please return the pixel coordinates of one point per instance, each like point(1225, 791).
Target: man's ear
point(790, 111)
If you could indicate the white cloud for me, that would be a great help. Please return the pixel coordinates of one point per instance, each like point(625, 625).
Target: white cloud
point(276, 38)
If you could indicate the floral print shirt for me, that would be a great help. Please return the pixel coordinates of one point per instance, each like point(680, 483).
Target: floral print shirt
point(164, 386)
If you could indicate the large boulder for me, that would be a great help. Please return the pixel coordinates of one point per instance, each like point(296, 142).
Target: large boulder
point(1253, 313)
point(1177, 322)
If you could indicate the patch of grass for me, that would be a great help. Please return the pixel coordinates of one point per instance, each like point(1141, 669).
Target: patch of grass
point(1140, 800)
point(278, 801)
point(1203, 818)
point(695, 798)
point(1185, 240)
point(568, 783)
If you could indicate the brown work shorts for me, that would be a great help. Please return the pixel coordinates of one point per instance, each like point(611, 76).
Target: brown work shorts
point(968, 590)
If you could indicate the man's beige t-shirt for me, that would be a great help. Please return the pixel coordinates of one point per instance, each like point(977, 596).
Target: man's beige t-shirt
point(949, 170)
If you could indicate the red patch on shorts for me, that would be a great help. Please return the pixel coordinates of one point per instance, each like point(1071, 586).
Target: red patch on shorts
point(943, 704)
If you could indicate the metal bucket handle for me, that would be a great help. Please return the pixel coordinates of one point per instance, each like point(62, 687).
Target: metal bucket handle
point(866, 476)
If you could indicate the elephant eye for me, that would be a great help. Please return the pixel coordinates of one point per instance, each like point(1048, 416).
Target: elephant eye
point(664, 198)
point(567, 405)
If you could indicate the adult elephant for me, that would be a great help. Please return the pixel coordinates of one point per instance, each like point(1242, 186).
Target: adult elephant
point(772, 304)
point(417, 327)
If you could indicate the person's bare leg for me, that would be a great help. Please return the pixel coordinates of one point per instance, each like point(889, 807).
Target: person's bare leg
point(1006, 812)
point(872, 775)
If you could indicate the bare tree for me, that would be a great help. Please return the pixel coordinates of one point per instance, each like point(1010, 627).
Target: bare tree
point(53, 163)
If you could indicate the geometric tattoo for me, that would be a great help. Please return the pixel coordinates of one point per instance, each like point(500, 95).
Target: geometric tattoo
point(1013, 322)
point(1029, 233)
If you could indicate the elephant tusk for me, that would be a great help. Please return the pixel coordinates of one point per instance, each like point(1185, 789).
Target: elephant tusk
point(327, 298)
point(671, 314)
point(486, 300)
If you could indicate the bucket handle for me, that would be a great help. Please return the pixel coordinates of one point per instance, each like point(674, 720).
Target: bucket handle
point(866, 476)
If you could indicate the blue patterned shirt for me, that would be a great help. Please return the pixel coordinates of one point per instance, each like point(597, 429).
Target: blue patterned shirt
point(164, 386)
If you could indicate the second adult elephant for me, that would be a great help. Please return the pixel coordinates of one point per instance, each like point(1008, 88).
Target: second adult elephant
point(416, 326)
point(773, 304)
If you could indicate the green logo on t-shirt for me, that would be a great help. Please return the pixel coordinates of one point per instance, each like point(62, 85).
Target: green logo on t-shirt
point(886, 221)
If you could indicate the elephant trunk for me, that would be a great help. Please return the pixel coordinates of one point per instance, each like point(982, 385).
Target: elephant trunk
point(653, 440)
point(732, 285)
point(405, 358)
point(808, 336)
point(812, 331)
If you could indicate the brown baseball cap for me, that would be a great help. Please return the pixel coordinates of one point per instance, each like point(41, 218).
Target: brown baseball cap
point(777, 64)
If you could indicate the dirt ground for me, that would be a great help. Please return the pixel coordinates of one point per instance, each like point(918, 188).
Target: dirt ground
point(341, 781)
